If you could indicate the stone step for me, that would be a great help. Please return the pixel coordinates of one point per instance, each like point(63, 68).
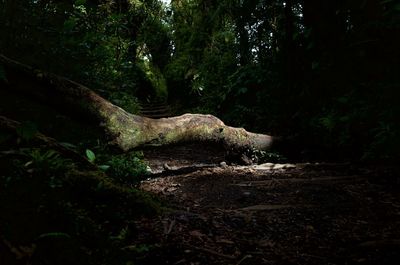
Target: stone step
point(153, 105)
point(157, 116)
point(155, 110)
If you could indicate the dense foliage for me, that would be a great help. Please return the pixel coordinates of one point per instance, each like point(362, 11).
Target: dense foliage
point(74, 204)
point(97, 43)
point(324, 73)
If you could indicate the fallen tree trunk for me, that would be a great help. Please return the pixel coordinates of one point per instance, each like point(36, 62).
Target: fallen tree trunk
point(127, 131)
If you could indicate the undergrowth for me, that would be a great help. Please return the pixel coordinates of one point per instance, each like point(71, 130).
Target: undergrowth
point(58, 210)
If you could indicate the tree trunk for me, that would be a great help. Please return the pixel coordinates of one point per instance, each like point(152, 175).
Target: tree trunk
point(127, 131)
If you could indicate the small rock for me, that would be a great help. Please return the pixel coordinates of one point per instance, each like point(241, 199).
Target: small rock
point(266, 166)
point(246, 193)
point(223, 164)
point(279, 166)
point(283, 166)
point(167, 167)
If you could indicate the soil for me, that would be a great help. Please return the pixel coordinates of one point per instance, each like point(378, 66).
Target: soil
point(317, 213)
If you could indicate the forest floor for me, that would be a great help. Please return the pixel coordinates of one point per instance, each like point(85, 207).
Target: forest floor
point(317, 213)
point(299, 213)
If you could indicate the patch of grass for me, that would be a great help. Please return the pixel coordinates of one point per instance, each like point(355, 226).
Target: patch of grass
point(127, 168)
point(124, 168)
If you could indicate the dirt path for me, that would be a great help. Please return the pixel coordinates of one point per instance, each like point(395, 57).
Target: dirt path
point(275, 214)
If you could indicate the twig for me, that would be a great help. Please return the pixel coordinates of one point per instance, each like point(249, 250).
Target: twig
point(380, 243)
point(243, 259)
point(209, 251)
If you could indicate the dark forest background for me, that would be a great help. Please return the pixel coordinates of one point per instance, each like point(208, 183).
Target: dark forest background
point(323, 73)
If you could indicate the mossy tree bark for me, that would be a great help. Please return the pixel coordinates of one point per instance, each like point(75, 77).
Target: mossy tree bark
point(127, 131)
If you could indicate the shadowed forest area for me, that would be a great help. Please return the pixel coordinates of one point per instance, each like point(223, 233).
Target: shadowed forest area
point(199, 132)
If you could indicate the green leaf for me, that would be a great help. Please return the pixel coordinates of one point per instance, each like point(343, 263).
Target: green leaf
point(68, 145)
point(54, 234)
point(328, 123)
point(80, 2)
point(242, 90)
point(104, 167)
point(343, 100)
point(90, 155)
point(27, 130)
point(69, 24)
